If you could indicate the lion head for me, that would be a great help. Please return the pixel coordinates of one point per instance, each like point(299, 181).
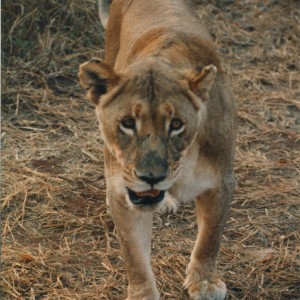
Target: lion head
point(149, 116)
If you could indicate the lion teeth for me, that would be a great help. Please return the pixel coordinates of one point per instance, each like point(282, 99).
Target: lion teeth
point(150, 193)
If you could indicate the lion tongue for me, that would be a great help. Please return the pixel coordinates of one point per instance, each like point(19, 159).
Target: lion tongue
point(150, 193)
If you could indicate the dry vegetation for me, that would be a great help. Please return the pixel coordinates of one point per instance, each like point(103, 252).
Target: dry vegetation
point(58, 242)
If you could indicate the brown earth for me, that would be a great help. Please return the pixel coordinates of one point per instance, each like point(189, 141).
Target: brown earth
point(58, 241)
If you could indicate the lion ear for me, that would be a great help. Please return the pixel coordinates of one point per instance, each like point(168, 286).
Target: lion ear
point(97, 78)
point(202, 81)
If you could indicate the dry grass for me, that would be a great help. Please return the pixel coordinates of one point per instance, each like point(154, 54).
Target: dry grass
point(58, 242)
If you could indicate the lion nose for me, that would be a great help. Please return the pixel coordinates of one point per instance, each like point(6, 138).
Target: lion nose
point(152, 179)
point(152, 168)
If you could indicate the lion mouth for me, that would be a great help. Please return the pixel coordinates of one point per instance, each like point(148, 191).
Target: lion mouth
point(146, 198)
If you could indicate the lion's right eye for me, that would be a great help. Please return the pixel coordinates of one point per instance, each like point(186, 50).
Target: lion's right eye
point(127, 123)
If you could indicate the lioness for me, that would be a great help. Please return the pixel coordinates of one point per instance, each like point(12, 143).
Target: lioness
point(167, 119)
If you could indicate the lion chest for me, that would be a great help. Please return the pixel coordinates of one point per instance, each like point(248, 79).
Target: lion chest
point(197, 176)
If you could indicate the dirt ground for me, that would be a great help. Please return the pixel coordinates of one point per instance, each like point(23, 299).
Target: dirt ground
point(58, 241)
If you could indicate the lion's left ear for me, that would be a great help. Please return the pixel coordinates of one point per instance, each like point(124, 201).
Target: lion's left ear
point(97, 78)
point(201, 82)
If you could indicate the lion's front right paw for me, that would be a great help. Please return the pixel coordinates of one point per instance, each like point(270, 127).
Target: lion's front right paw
point(205, 290)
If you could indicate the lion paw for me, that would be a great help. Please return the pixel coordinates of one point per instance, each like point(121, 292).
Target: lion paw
point(205, 290)
point(168, 206)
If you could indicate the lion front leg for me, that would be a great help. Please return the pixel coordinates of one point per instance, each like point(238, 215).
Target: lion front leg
point(202, 281)
point(134, 230)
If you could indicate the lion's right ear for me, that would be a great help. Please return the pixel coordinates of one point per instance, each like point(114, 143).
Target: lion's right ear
point(97, 78)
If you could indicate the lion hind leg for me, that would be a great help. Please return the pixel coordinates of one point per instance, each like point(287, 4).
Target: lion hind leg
point(170, 205)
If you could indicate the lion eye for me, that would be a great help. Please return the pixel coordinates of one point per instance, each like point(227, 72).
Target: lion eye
point(128, 123)
point(176, 124)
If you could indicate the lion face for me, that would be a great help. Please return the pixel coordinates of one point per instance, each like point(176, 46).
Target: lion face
point(148, 118)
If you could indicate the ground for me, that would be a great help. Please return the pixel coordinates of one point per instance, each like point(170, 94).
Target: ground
point(58, 240)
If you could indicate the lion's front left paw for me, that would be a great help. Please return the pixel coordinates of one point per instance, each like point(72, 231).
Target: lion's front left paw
point(205, 290)
point(208, 289)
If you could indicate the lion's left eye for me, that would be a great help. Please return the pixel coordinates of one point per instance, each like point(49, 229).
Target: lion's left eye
point(176, 125)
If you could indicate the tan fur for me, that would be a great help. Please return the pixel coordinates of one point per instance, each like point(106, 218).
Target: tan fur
point(166, 114)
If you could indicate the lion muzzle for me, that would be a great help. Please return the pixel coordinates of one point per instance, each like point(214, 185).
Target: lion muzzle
point(151, 164)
